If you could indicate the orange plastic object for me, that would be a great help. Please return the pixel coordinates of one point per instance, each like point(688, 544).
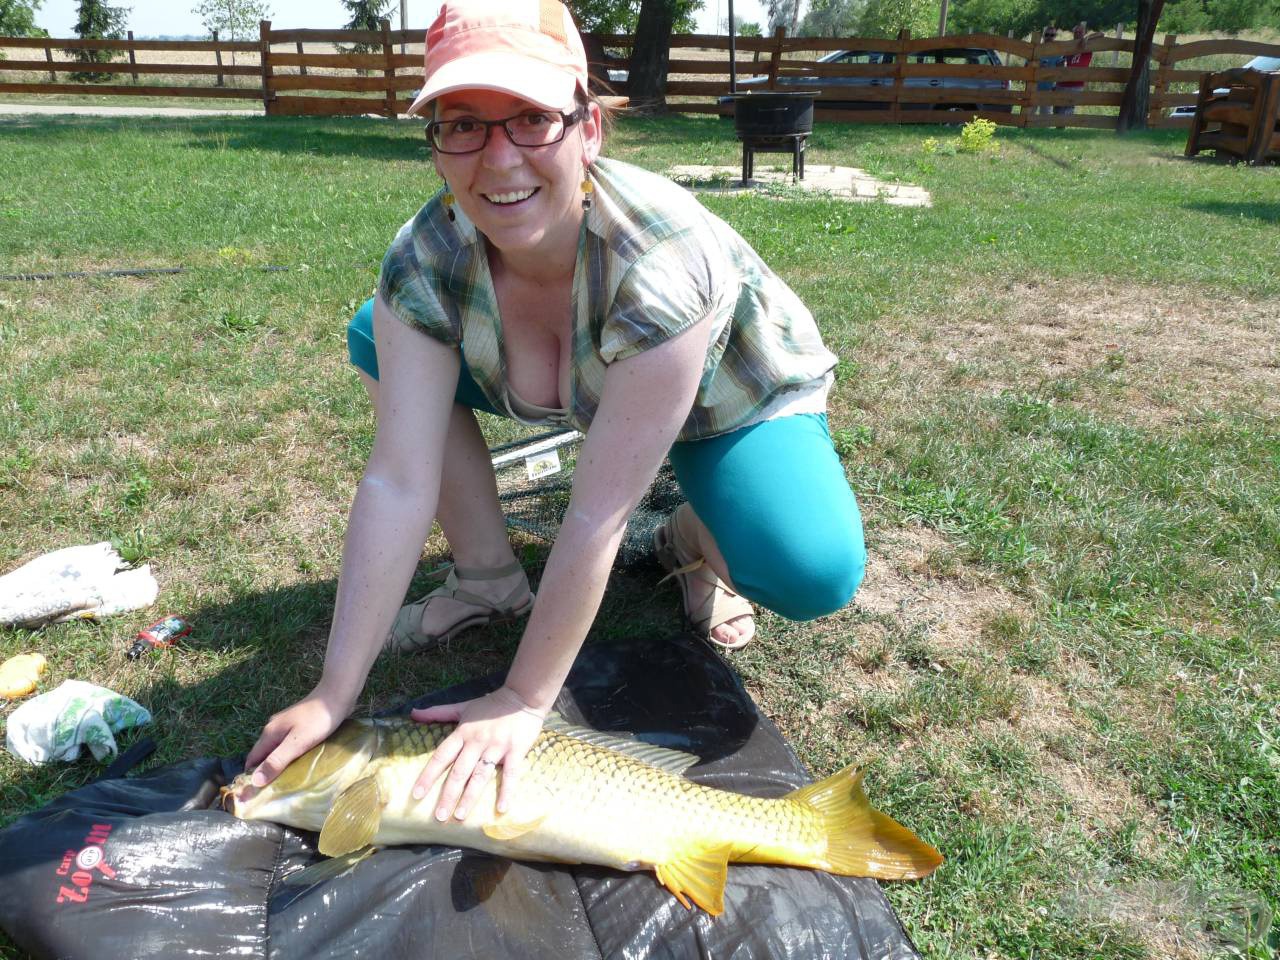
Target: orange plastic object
point(19, 675)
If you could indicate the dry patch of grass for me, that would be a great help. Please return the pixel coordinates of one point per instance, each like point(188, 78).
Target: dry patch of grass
point(913, 574)
point(923, 616)
point(1147, 354)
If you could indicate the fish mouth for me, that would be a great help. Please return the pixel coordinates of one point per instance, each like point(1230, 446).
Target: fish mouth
point(238, 791)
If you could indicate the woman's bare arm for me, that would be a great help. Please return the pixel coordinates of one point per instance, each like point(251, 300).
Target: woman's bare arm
point(391, 516)
point(645, 401)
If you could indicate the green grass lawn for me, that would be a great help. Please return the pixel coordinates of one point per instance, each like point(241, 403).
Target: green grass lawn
point(1057, 400)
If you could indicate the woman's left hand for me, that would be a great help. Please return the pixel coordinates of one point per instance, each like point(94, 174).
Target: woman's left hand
point(493, 731)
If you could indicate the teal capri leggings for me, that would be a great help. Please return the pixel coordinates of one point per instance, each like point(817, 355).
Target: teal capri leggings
point(773, 495)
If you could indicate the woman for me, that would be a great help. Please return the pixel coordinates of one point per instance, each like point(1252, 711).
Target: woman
point(547, 284)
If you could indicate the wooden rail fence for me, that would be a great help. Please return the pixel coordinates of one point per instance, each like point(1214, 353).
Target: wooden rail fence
point(903, 80)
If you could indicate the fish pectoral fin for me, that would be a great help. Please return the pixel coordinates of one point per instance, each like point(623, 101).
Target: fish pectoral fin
point(699, 876)
point(326, 870)
point(353, 821)
point(508, 828)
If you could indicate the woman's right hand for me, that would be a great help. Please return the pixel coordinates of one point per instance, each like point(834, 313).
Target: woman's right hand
point(292, 732)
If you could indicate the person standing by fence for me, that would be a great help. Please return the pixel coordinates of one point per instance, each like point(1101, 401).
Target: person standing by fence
point(1049, 34)
point(1076, 61)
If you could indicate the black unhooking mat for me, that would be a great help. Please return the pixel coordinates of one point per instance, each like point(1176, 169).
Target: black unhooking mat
point(144, 867)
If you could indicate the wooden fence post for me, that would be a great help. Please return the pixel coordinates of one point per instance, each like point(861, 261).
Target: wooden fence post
point(389, 69)
point(217, 55)
point(1161, 82)
point(133, 59)
point(899, 65)
point(264, 51)
point(1031, 96)
point(775, 59)
point(1115, 54)
point(48, 55)
point(302, 68)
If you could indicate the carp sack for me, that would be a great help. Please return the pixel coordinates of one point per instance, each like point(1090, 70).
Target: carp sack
point(584, 797)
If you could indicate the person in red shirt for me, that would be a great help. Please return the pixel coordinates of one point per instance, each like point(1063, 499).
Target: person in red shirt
point(1080, 59)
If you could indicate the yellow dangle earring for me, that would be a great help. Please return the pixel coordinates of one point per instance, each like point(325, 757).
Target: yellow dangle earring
point(587, 189)
point(448, 204)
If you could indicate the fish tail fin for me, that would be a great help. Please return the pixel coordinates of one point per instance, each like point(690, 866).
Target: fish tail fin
point(698, 875)
point(862, 841)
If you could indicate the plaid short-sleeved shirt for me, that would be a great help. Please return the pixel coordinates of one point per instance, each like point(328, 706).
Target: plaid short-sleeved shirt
point(651, 262)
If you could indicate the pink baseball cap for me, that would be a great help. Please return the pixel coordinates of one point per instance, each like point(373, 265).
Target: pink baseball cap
point(527, 48)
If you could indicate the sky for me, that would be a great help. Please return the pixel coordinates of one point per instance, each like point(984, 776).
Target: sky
point(174, 17)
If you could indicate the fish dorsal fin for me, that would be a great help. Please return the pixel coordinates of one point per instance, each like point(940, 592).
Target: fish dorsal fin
point(353, 820)
point(699, 876)
point(507, 828)
point(664, 758)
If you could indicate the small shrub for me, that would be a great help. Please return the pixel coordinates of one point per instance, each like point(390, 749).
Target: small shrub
point(935, 147)
point(978, 136)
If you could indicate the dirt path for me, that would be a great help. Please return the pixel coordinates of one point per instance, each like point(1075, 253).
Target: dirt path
point(13, 109)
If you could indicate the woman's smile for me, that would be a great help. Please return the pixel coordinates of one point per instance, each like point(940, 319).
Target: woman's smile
point(510, 198)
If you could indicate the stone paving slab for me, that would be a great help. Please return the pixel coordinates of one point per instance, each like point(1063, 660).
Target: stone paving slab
point(840, 183)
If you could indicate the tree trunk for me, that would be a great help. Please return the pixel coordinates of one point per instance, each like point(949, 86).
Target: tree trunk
point(647, 81)
point(1133, 109)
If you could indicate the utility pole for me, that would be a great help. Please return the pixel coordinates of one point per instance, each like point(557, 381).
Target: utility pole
point(942, 20)
point(404, 23)
point(733, 53)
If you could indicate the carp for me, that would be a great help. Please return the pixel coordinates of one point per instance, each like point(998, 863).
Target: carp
point(584, 797)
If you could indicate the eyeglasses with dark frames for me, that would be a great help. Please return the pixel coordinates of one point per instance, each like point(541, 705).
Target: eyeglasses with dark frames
point(532, 128)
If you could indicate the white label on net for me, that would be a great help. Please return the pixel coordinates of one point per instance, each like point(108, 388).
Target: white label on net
point(542, 464)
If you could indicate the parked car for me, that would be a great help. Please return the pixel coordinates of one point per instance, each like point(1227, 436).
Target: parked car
point(1265, 64)
point(955, 55)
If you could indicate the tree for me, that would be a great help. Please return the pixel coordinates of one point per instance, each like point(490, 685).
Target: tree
point(1000, 16)
point(1137, 92)
point(831, 18)
point(233, 19)
point(1225, 16)
point(365, 15)
point(622, 16)
point(741, 27)
point(656, 21)
point(18, 19)
point(97, 21)
point(783, 13)
point(886, 18)
point(1030, 16)
point(647, 82)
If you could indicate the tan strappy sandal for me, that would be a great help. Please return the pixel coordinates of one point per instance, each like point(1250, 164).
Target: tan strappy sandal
point(682, 563)
point(407, 635)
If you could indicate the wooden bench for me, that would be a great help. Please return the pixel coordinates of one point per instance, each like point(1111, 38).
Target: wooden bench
point(1237, 113)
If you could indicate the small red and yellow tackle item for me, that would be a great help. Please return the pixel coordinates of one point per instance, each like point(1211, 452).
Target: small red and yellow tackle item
point(19, 675)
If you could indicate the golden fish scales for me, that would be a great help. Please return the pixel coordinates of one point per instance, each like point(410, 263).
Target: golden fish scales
point(585, 797)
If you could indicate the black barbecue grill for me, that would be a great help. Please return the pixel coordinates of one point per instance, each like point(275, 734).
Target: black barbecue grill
point(772, 121)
